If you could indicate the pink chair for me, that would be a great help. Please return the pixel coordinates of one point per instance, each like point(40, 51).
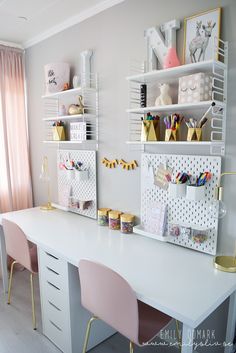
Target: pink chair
point(18, 248)
point(110, 298)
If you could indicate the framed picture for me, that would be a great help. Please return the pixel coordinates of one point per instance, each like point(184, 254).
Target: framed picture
point(200, 32)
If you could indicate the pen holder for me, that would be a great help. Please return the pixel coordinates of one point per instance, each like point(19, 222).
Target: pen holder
point(194, 134)
point(150, 130)
point(177, 190)
point(195, 193)
point(58, 133)
point(70, 174)
point(171, 135)
point(82, 175)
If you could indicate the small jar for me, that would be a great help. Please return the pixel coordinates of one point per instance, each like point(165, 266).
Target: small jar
point(114, 220)
point(103, 216)
point(127, 223)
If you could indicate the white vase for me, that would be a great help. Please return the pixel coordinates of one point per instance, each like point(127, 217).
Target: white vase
point(76, 81)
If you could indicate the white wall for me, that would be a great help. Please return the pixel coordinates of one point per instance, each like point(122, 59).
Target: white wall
point(116, 36)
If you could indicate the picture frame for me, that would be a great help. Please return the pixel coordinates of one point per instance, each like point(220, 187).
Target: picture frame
point(199, 33)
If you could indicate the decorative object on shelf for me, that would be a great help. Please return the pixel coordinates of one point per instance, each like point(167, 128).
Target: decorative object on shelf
point(195, 88)
point(78, 131)
point(110, 164)
point(158, 45)
point(163, 176)
point(58, 131)
point(66, 87)
point(85, 68)
point(199, 33)
point(114, 220)
point(75, 109)
point(218, 210)
point(128, 165)
point(164, 98)
point(171, 59)
point(103, 216)
point(150, 128)
point(143, 96)
point(76, 81)
point(45, 177)
point(62, 110)
point(56, 76)
point(172, 123)
point(126, 223)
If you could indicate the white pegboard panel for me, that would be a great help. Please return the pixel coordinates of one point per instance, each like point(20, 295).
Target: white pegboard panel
point(180, 210)
point(81, 189)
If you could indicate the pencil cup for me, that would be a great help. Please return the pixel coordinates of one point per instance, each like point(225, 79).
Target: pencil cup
point(70, 174)
point(58, 133)
point(194, 134)
point(82, 175)
point(150, 130)
point(195, 193)
point(177, 190)
point(171, 135)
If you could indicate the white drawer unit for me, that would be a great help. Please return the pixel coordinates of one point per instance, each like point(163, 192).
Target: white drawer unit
point(64, 319)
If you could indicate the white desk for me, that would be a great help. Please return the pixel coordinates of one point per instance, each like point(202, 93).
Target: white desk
point(180, 282)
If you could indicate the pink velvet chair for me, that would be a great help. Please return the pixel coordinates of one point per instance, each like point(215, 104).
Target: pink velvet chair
point(19, 249)
point(110, 298)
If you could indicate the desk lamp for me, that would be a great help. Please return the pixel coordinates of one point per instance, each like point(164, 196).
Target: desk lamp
point(44, 176)
point(223, 263)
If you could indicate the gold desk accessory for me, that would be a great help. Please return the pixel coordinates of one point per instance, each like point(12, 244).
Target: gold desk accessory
point(223, 262)
point(44, 176)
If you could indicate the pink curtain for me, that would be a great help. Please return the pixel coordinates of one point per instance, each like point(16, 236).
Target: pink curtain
point(15, 179)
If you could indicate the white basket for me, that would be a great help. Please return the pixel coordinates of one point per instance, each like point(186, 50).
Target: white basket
point(82, 175)
point(177, 190)
point(195, 193)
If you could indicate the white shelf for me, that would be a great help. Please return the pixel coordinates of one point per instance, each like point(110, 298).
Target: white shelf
point(195, 143)
point(69, 91)
point(174, 107)
point(70, 142)
point(175, 72)
point(69, 117)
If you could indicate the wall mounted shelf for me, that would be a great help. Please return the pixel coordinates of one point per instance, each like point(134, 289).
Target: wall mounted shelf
point(59, 101)
point(214, 130)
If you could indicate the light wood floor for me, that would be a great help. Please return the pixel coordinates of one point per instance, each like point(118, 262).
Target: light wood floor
point(17, 335)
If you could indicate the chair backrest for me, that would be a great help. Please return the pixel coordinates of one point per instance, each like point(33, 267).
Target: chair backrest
point(17, 245)
point(109, 297)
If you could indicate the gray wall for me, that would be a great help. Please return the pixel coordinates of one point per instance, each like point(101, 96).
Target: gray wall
point(116, 36)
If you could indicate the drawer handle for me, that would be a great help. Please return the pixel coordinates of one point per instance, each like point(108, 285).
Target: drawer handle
point(53, 285)
point(51, 270)
point(54, 306)
point(57, 327)
point(53, 256)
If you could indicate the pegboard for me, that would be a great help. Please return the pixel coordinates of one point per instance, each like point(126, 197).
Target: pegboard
point(71, 185)
point(180, 210)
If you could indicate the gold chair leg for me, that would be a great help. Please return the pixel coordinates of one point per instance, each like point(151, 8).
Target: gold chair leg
point(10, 282)
point(93, 318)
point(33, 300)
point(178, 334)
point(131, 347)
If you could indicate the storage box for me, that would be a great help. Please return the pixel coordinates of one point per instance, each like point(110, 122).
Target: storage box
point(195, 88)
point(78, 131)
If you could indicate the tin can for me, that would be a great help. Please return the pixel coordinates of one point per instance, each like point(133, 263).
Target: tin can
point(103, 216)
point(114, 220)
point(127, 223)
